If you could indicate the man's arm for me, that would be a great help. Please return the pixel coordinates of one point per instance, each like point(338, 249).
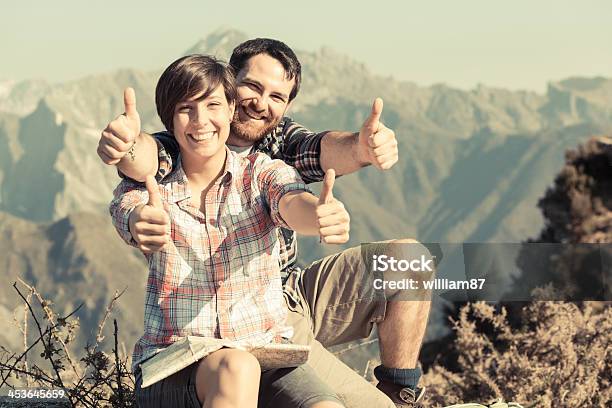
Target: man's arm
point(375, 144)
point(314, 153)
point(122, 143)
point(340, 151)
point(142, 160)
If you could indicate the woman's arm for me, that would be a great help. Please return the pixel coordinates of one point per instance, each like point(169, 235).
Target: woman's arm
point(324, 216)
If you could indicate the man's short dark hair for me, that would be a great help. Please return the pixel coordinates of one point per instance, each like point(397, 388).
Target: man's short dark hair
point(187, 77)
point(274, 48)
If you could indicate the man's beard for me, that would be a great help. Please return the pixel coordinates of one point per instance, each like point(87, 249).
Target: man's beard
point(249, 133)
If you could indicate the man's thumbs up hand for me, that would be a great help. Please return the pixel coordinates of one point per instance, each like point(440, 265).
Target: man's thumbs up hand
point(149, 223)
point(372, 123)
point(120, 135)
point(129, 103)
point(334, 220)
point(377, 143)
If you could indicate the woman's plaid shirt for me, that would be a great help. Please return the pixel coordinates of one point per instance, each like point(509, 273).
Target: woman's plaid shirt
point(220, 275)
point(288, 141)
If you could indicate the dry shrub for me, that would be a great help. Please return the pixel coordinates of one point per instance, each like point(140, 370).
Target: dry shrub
point(99, 378)
point(578, 207)
point(559, 357)
point(543, 354)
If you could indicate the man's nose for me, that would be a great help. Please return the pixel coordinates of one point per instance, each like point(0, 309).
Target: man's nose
point(261, 103)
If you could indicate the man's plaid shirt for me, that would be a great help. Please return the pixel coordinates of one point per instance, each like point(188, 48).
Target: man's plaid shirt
point(219, 277)
point(290, 142)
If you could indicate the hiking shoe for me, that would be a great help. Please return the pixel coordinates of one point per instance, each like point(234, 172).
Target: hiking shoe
point(403, 397)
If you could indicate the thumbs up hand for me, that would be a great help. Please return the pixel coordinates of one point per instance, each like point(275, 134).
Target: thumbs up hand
point(377, 143)
point(148, 223)
point(334, 220)
point(120, 134)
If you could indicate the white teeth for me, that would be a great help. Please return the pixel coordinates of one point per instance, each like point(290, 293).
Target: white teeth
point(202, 137)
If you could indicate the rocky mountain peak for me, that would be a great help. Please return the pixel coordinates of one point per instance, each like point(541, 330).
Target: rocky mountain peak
point(220, 43)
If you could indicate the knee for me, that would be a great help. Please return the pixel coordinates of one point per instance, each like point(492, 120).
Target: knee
point(407, 248)
point(404, 241)
point(326, 404)
point(415, 249)
point(225, 371)
point(239, 364)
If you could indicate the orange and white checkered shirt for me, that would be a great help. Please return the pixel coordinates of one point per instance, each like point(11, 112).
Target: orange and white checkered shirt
point(220, 275)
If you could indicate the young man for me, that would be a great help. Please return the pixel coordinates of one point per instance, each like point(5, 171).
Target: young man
point(219, 274)
point(330, 290)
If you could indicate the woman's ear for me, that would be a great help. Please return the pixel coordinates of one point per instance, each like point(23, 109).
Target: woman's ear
point(232, 108)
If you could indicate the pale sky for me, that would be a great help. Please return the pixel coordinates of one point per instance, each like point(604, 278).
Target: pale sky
point(515, 44)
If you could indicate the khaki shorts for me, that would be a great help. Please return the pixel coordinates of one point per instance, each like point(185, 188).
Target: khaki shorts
point(333, 301)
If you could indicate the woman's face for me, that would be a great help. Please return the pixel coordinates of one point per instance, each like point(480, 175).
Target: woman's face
point(202, 125)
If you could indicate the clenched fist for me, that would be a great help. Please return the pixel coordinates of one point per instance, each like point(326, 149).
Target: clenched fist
point(334, 221)
point(377, 143)
point(148, 223)
point(120, 134)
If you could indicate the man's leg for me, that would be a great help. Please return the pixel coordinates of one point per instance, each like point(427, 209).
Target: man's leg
point(402, 331)
point(343, 304)
point(353, 390)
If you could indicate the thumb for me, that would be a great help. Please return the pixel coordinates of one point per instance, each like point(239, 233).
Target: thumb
point(129, 101)
point(328, 185)
point(372, 122)
point(153, 190)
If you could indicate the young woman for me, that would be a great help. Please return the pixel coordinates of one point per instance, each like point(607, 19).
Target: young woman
point(218, 274)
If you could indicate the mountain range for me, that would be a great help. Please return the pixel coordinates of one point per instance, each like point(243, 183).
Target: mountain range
point(473, 164)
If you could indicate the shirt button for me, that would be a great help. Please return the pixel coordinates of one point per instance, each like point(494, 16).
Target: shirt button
point(217, 255)
point(220, 284)
point(212, 221)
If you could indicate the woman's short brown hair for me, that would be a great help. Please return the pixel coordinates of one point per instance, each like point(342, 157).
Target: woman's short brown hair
point(189, 76)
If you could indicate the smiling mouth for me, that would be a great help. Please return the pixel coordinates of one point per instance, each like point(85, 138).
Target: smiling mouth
point(201, 137)
point(251, 115)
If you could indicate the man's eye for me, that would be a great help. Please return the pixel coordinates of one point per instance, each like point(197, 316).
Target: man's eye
point(278, 98)
point(184, 108)
point(251, 85)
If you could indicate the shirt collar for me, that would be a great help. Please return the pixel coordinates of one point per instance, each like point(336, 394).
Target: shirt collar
point(176, 186)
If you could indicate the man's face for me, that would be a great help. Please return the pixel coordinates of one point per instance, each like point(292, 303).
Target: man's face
point(201, 125)
point(263, 98)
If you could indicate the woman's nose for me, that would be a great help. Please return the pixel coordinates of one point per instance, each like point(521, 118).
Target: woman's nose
point(201, 117)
